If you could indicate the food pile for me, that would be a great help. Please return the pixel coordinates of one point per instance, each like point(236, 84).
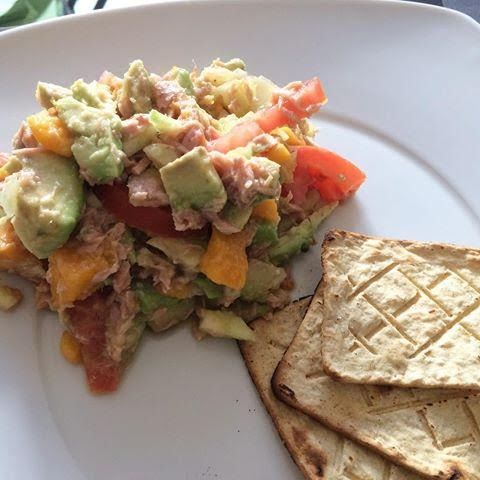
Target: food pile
point(150, 199)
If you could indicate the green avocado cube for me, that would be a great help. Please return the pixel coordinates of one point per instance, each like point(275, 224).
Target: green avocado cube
point(191, 182)
point(182, 251)
point(160, 154)
point(97, 147)
point(219, 323)
point(48, 93)
point(266, 233)
point(261, 278)
point(94, 94)
point(298, 238)
point(44, 199)
point(136, 91)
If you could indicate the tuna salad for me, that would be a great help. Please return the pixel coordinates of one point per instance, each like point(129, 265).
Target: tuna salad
point(145, 200)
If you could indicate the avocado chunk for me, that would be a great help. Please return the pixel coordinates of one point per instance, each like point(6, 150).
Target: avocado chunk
point(212, 290)
point(164, 124)
point(48, 93)
point(97, 147)
point(94, 94)
point(161, 310)
point(136, 93)
point(138, 137)
point(149, 299)
point(186, 253)
point(224, 324)
point(160, 154)
point(44, 200)
point(262, 277)
point(298, 238)
point(232, 218)
point(192, 183)
point(266, 233)
point(164, 318)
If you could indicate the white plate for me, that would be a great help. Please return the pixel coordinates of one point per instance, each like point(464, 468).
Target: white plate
point(403, 82)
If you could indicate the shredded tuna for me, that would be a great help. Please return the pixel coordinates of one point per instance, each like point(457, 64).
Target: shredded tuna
point(121, 279)
point(120, 319)
point(138, 163)
point(24, 138)
point(279, 298)
point(160, 319)
point(94, 224)
point(43, 297)
point(188, 219)
point(135, 125)
point(166, 93)
point(147, 190)
point(108, 78)
point(194, 136)
point(159, 268)
point(221, 224)
point(170, 98)
point(243, 179)
point(263, 143)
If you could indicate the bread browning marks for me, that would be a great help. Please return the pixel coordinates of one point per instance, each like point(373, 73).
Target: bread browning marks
point(319, 452)
point(434, 432)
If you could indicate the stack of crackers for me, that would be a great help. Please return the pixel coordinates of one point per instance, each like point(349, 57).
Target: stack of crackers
point(381, 366)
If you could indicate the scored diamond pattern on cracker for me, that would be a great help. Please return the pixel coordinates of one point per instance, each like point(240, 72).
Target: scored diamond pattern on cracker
point(411, 320)
point(433, 431)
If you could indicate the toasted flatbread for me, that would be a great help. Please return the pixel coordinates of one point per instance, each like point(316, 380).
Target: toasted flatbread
point(319, 452)
point(434, 432)
point(401, 313)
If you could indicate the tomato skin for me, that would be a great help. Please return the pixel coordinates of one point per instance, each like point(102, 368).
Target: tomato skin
point(151, 220)
point(87, 323)
point(333, 176)
point(270, 118)
point(103, 374)
point(238, 136)
point(301, 101)
point(306, 98)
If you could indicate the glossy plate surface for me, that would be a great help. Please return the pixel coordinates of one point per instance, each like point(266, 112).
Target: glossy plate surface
point(403, 81)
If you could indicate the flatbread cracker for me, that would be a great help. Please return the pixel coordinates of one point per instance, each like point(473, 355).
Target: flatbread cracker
point(401, 313)
point(434, 432)
point(319, 452)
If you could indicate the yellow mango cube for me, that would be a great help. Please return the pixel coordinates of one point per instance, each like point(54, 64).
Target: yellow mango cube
point(225, 260)
point(51, 132)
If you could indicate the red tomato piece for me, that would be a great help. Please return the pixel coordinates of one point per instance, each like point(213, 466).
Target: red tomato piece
point(103, 374)
point(305, 99)
point(87, 322)
point(333, 176)
point(238, 136)
point(270, 118)
point(151, 220)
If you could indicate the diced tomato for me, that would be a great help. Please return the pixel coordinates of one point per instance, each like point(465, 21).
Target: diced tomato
point(103, 374)
point(238, 136)
point(333, 176)
point(151, 220)
point(302, 181)
point(305, 99)
point(87, 323)
point(271, 118)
